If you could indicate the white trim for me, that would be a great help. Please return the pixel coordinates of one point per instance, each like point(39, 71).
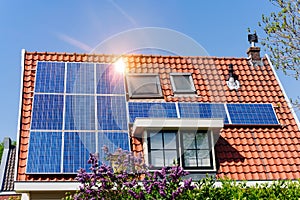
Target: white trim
point(141, 123)
point(284, 93)
point(46, 186)
point(23, 52)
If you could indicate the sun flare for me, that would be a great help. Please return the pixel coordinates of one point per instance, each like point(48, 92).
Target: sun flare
point(120, 65)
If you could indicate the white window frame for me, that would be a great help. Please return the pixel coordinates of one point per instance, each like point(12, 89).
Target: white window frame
point(145, 95)
point(180, 149)
point(177, 91)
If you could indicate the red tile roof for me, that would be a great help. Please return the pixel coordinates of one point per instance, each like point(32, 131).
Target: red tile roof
point(252, 153)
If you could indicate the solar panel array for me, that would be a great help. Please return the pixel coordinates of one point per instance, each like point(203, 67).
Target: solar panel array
point(77, 109)
point(248, 114)
point(80, 107)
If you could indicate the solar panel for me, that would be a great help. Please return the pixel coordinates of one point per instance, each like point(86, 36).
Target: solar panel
point(77, 148)
point(151, 110)
point(80, 78)
point(47, 112)
point(202, 110)
point(112, 113)
point(108, 80)
point(50, 77)
point(80, 112)
point(113, 140)
point(92, 93)
point(252, 114)
point(44, 155)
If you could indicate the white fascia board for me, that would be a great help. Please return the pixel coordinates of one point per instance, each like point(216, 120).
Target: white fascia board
point(141, 123)
point(284, 93)
point(46, 186)
point(23, 52)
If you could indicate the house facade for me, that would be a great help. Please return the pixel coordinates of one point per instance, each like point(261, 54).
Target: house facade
point(223, 116)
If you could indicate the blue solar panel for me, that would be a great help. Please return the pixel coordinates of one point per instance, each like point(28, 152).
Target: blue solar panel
point(80, 112)
point(47, 112)
point(252, 114)
point(108, 80)
point(202, 110)
point(50, 77)
point(151, 110)
point(80, 78)
point(44, 154)
point(77, 148)
point(113, 140)
point(111, 112)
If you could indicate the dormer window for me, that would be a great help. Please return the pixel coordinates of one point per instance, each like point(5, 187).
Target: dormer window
point(182, 83)
point(144, 86)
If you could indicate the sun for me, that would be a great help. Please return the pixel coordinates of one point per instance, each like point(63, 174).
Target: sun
point(120, 65)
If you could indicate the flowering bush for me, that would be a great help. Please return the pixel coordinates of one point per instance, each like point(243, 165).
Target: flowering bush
point(122, 181)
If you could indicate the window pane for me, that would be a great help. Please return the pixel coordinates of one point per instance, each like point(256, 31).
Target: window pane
point(203, 157)
point(182, 83)
point(144, 86)
point(156, 140)
point(170, 157)
point(189, 141)
point(190, 159)
point(202, 141)
point(157, 158)
point(170, 140)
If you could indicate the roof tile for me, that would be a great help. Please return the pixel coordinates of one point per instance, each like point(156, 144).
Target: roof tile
point(243, 153)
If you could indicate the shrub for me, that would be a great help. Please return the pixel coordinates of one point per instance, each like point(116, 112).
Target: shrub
point(123, 181)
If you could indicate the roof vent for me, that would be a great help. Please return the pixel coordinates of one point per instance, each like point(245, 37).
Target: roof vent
point(254, 52)
point(232, 81)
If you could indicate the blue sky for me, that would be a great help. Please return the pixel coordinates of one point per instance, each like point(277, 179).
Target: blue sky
point(79, 26)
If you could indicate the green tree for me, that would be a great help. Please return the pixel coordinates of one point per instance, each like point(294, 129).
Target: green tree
point(1, 150)
point(283, 36)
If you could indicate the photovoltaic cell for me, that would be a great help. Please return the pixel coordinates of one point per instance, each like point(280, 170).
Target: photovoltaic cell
point(151, 110)
point(77, 148)
point(252, 114)
point(50, 77)
point(80, 78)
point(80, 112)
point(44, 154)
point(111, 112)
point(109, 81)
point(113, 140)
point(47, 112)
point(202, 110)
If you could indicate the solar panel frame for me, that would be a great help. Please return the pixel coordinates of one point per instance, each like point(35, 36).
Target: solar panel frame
point(47, 112)
point(77, 149)
point(203, 110)
point(252, 114)
point(109, 81)
point(49, 77)
point(151, 110)
point(43, 154)
point(80, 78)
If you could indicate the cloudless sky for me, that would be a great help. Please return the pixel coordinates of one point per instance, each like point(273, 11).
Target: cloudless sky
point(79, 26)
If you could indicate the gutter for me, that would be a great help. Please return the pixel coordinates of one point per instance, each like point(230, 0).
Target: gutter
point(284, 93)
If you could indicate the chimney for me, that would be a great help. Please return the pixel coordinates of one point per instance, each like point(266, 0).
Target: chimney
point(253, 52)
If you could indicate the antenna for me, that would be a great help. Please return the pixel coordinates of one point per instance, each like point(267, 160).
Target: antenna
point(252, 38)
